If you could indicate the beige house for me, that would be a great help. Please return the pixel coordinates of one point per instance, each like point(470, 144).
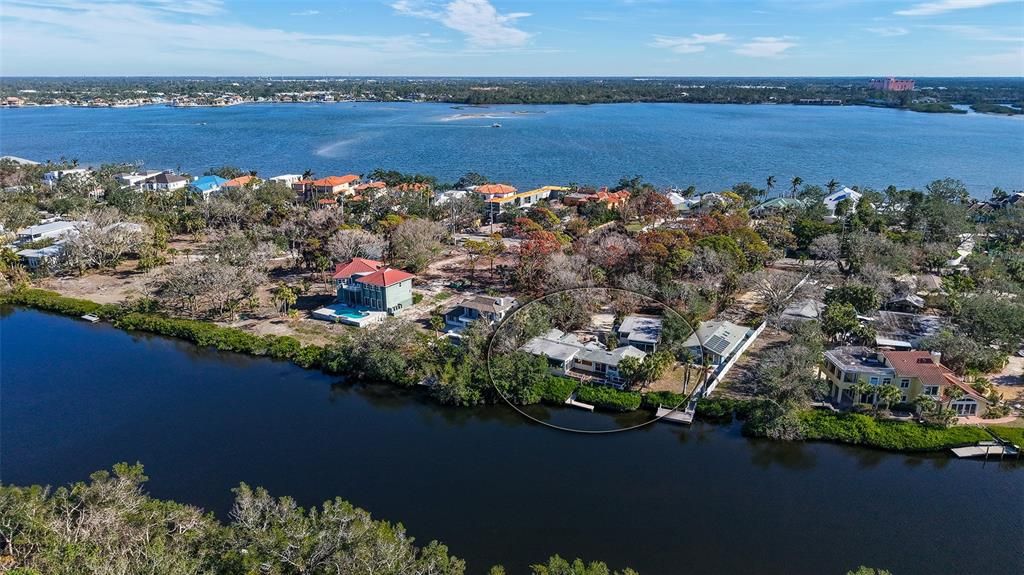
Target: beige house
point(915, 373)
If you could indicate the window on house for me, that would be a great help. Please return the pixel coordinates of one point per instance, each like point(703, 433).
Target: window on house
point(932, 390)
point(905, 383)
point(874, 381)
point(886, 380)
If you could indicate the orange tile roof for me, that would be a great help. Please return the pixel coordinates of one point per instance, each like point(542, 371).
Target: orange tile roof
point(355, 266)
point(488, 189)
point(331, 181)
point(237, 182)
point(373, 185)
point(922, 365)
point(385, 277)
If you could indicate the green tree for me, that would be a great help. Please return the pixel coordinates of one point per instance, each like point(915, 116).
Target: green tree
point(769, 185)
point(889, 394)
point(860, 389)
point(285, 296)
point(863, 298)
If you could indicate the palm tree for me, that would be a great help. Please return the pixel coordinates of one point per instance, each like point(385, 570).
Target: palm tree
point(437, 324)
point(924, 403)
point(889, 394)
point(953, 393)
point(860, 389)
point(769, 185)
point(795, 182)
point(831, 186)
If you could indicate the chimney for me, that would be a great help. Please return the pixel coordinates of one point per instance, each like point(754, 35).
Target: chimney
point(936, 357)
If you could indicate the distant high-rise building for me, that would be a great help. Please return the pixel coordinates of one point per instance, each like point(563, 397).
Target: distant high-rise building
point(892, 85)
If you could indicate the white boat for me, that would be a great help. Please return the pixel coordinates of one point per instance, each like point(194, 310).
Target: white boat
point(495, 125)
point(90, 318)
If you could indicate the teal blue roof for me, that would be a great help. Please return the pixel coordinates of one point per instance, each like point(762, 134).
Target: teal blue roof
point(208, 183)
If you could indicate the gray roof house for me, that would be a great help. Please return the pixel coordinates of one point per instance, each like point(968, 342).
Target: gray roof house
point(487, 308)
point(802, 310)
point(716, 340)
point(567, 356)
point(641, 331)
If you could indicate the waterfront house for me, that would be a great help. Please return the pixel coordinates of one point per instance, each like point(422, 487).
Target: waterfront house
point(715, 342)
point(33, 258)
point(286, 179)
point(369, 284)
point(833, 200)
point(135, 179)
point(208, 185)
point(915, 373)
point(335, 185)
point(479, 308)
point(775, 206)
point(51, 178)
point(166, 182)
point(641, 331)
point(501, 197)
point(567, 356)
point(240, 182)
point(19, 161)
point(602, 196)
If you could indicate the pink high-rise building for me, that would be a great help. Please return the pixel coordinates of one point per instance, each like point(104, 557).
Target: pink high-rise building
point(892, 85)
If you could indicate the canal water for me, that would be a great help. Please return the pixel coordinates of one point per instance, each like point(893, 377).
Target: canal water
point(78, 397)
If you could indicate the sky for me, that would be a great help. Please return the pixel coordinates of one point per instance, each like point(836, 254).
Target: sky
point(512, 37)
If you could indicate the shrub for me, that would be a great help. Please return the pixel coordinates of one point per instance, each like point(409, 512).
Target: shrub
point(609, 398)
point(556, 389)
point(51, 301)
point(663, 398)
point(860, 429)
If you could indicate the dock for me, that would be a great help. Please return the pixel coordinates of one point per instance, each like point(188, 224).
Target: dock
point(664, 414)
point(571, 401)
point(986, 449)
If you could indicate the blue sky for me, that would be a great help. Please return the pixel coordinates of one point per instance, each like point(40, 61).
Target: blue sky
point(513, 37)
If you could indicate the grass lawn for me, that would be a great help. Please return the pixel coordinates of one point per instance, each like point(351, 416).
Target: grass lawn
point(1014, 435)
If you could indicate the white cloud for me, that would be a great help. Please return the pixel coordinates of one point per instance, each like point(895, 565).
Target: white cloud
point(305, 13)
point(943, 6)
point(766, 46)
point(889, 31)
point(479, 20)
point(983, 33)
point(688, 44)
point(67, 37)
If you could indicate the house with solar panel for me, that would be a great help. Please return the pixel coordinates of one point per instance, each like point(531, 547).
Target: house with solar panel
point(715, 342)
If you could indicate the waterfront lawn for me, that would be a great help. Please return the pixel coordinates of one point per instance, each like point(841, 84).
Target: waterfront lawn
point(1014, 435)
point(859, 429)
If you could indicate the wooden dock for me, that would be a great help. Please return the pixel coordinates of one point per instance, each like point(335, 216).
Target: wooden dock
point(986, 449)
point(685, 417)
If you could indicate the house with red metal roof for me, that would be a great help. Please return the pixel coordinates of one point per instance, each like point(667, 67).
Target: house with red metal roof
point(370, 285)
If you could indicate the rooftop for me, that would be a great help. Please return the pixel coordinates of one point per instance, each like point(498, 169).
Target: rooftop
point(488, 304)
point(858, 358)
point(526, 194)
point(385, 277)
point(641, 328)
point(720, 337)
point(336, 180)
point(489, 189)
point(356, 266)
point(239, 181)
point(47, 228)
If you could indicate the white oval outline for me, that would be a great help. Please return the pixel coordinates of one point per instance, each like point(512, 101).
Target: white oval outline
point(497, 328)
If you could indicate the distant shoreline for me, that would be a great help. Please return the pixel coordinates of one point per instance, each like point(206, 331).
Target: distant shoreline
point(459, 105)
